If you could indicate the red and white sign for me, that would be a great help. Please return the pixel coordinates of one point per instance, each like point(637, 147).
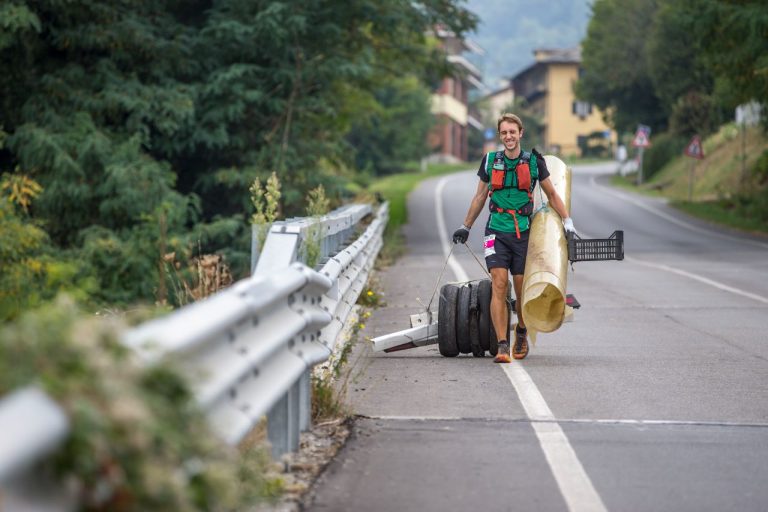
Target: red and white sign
point(694, 148)
point(641, 139)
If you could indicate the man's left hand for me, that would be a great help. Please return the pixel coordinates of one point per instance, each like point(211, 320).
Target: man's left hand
point(568, 225)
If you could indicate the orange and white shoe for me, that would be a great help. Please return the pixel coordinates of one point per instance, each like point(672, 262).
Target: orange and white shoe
point(520, 350)
point(502, 356)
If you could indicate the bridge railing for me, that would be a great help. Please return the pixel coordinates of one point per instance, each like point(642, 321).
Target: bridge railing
point(247, 351)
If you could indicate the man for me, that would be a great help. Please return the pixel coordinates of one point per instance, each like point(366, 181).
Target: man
point(508, 178)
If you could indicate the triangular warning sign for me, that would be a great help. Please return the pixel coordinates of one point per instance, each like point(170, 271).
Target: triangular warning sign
point(641, 140)
point(694, 148)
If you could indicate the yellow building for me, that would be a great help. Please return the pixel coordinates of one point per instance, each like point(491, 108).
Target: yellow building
point(571, 127)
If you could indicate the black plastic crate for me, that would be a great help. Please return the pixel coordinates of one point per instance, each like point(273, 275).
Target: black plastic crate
point(596, 249)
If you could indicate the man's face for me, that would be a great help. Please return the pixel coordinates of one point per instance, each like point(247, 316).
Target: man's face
point(510, 134)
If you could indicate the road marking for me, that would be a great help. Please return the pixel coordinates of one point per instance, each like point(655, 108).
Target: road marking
point(701, 279)
point(572, 480)
point(666, 216)
point(666, 423)
point(580, 421)
point(691, 227)
point(415, 418)
point(458, 270)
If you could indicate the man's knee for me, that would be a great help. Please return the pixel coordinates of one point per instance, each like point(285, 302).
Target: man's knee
point(499, 283)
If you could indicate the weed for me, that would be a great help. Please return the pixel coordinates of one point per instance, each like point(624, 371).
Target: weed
point(199, 278)
point(317, 206)
point(266, 202)
point(326, 403)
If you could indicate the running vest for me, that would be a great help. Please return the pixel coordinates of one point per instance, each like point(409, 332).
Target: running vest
point(510, 188)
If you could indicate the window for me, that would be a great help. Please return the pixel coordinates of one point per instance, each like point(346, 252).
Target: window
point(581, 109)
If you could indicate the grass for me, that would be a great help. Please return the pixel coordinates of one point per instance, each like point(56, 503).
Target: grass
point(717, 181)
point(719, 174)
point(722, 212)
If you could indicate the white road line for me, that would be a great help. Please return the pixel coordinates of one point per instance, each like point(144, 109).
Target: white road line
point(691, 227)
point(581, 421)
point(701, 279)
point(574, 483)
point(673, 220)
point(458, 270)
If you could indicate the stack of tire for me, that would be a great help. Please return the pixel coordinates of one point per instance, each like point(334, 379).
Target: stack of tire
point(464, 319)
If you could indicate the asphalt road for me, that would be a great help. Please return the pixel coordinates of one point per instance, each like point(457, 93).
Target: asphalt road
point(654, 399)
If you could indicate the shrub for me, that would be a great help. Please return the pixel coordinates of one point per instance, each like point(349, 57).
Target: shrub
point(137, 441)
point(664, 148)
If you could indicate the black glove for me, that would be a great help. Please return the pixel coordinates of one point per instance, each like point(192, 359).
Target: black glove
point(460, 235)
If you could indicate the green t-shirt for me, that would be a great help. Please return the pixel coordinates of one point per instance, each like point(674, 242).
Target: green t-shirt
point(510, 197)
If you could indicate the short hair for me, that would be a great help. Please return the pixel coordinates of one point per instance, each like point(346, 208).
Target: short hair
point(512, 118)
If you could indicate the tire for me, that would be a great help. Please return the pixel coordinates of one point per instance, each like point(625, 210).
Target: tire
point(446, 321)
point(484, 313)
point(492, 338)
point(474, 323)
point(462, 319)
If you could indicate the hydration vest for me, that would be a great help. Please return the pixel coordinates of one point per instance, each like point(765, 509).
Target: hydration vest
point(522, 181)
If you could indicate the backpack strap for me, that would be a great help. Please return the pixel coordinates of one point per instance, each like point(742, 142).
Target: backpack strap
point(498, 173)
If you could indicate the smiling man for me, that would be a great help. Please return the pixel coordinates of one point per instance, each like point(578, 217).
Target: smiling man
point(508, 178)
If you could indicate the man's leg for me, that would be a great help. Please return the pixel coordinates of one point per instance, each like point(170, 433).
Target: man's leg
point(517, 282)
point(499, 312)
point(520, 348)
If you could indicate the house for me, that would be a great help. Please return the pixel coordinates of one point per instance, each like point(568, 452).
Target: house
point(450, 105)
point(570, 127)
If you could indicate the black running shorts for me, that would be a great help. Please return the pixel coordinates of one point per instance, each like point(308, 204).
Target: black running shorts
point(505, 250)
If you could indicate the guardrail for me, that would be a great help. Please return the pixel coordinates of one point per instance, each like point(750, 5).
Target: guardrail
point(246, 351)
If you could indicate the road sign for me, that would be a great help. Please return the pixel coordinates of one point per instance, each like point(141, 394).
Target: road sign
point(641, 139)
point(694, 148)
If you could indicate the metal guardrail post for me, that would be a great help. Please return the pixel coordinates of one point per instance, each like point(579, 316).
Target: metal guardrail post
point(283, 246)
point(305, 401)
point(283, 423)
point(256, 244)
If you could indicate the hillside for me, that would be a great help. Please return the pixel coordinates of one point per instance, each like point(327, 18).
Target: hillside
point(718, 175)
point(720, 191)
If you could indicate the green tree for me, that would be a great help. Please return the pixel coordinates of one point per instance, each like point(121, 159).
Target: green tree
point(734, 40)
point(393, 131)
point(682, 80)
point(145, 121)
point(616, 74)
point(30, 274)
point(286, 82)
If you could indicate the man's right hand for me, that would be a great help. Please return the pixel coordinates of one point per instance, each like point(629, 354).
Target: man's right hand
point(460, 235)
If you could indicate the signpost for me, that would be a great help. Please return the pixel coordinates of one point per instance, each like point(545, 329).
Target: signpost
point(695, 150)
point(641, 141)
